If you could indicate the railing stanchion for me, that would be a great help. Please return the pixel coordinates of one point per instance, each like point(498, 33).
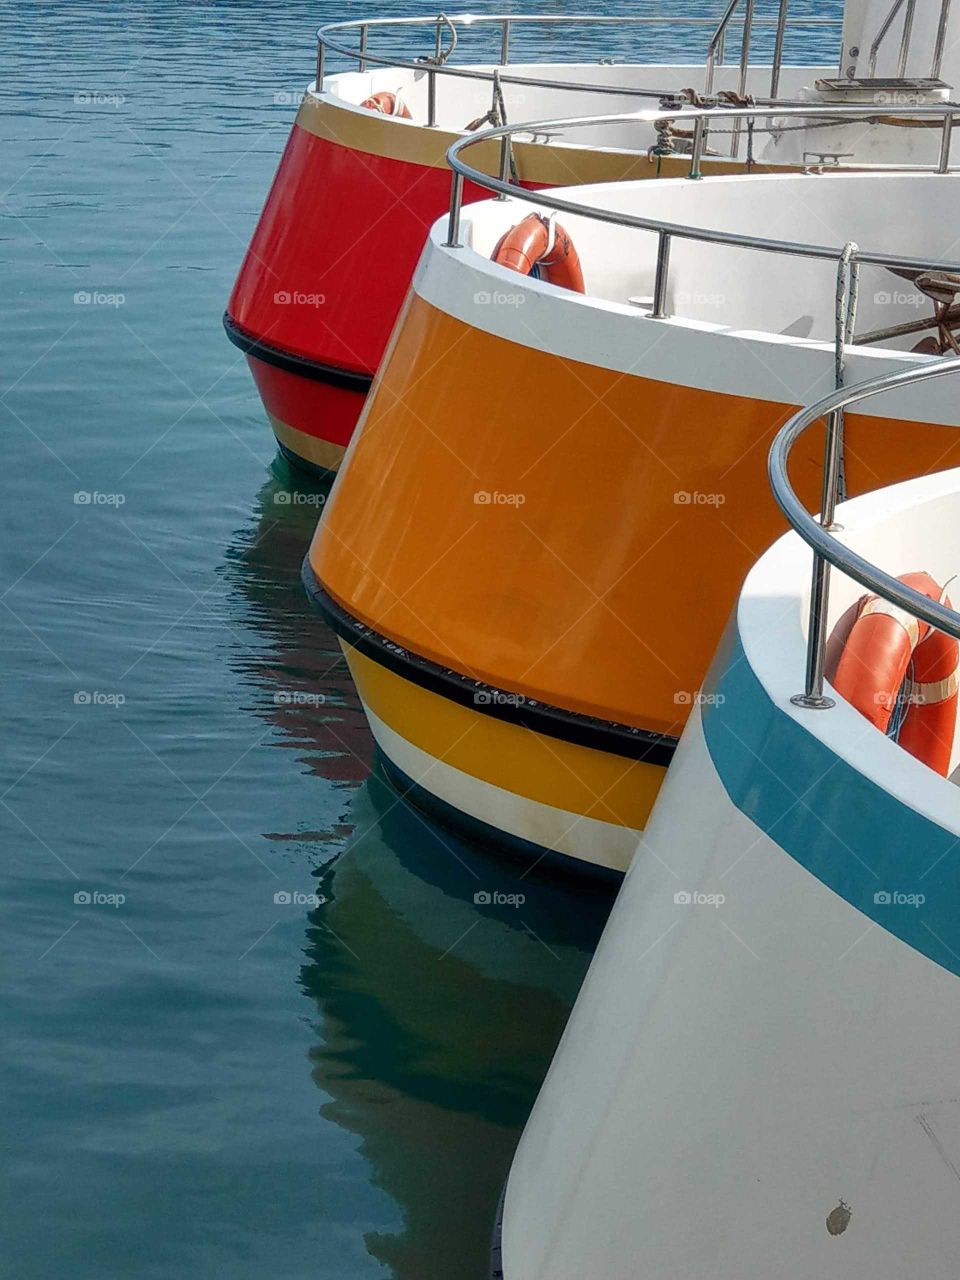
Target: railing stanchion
point(505, 42)
point(660, 280)
point(431, 99)
point(362, 64)
point(813, 696)
point(504, 163)
point(881, 36)
point(744, 69)
point(833, 486)
point(778, 48)
point(696, 147)
point(905, 38)
point(432, 77)
point(845, 320)
point(938, 47)
point(946, 137)
point(321, 62)
point(456, 202)
point(717, 39)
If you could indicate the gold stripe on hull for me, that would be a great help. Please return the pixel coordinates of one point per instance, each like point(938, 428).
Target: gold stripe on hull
point(320, 452)
point(537, 163)
point(582, 780)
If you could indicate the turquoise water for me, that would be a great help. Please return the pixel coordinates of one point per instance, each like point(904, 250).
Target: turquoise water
point(201, 1078)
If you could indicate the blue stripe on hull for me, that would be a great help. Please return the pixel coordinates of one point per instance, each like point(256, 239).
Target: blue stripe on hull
point(848, 832)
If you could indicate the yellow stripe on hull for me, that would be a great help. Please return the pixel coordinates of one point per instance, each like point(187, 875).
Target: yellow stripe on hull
point(395, 139)
point(579, 780)
point(322, 453)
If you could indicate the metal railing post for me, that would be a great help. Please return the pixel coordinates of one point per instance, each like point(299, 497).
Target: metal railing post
point(659, 311)
point(362, 62)
point(321, 64)
point(831, 489)
point(905, 38)
point(946, 138)
point(456, 202)
point(696, 148)
point(745, 45)
point(940, 41)
point(432, 78)
point(505, 42)
point(505, 146)
point(845, 320)
point(717, 38)
point(744, 71)
point(813, 696)
point(881, 36)
point(778, 48)
point(431, 99)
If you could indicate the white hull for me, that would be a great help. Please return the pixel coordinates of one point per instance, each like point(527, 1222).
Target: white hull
point(762, 1084)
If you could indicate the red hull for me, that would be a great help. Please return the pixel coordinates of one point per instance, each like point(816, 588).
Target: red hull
point(334, 251)
point(328, 413)
point(324, 279)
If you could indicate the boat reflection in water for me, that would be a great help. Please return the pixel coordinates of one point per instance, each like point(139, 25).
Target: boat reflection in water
point(438, 1017)
point(439, 978)
point(287, 656)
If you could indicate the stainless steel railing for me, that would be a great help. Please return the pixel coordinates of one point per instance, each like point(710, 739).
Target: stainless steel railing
point(828, 552)
point(444, 31)
point(668, 231)
point(906, 35)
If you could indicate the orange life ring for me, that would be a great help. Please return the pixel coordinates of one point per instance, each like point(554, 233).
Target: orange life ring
point(387, 104)
point(876, 659)
point(535, 243)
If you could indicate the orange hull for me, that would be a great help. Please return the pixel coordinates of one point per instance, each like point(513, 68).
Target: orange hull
point(590, 590)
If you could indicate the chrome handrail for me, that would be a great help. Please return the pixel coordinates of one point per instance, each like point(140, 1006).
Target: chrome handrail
point(906, 36)
point(827, 551)
point(327, 41)
point(667, 231)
